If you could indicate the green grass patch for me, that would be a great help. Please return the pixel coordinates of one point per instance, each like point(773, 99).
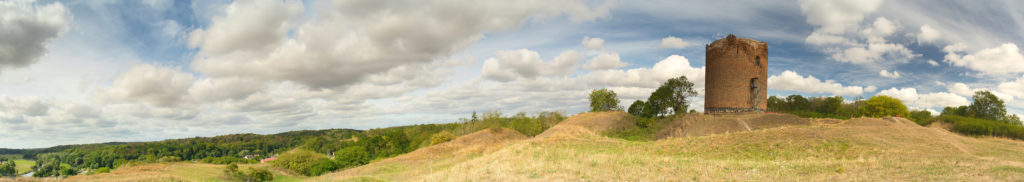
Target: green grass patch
point(644, 129)
point(23, 166)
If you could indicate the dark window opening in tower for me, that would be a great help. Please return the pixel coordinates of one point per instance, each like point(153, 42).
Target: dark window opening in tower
point(757, 61)
point(753, 83)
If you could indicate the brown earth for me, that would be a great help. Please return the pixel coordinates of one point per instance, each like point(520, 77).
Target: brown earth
point(710, 124)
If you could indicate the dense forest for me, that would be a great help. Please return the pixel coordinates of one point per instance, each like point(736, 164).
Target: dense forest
point(357, 146)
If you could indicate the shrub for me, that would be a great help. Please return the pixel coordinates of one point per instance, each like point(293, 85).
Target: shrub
point(101, 170)
point(921, 117)
point(977, 126)
point(441, 137)
point(603, 100)
point(254, 174)
point(881, 106)
point(226, 160)
point(305, 162)
point(352, 156)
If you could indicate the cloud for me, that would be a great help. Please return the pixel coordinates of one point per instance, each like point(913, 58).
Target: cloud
point(910, 97)
point(792, 81)
point(1014, 88)
point(208, 90)
point(887, 74)
point(524, 63)
point(350, 40)
point(1002, 59)
point(593, 43)
point(964, 90)
point(605, 61)
point(674, 42)
point(837, 17)
point(933, 63)
point(247, 26)
point(152, 85)
point(838, 32)
point(670, 67)
point(26, 31)
point(928, 34)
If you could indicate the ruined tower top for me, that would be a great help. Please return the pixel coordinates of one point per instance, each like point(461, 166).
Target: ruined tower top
point(736, 77)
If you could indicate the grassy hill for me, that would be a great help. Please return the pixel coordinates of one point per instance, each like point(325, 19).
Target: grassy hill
point(696, 147)
point(824, 149)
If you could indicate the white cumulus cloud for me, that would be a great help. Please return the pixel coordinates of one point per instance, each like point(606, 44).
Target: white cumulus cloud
point(887, 74)
point(26, 30)
point(790, 80)
point(593, 43)
point(674, 42)
point(928, 34)
point(605, 61)
point(524, 63)
point(1005, 58)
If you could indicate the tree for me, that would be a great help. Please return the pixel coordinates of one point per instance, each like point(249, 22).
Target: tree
point(797, 103)
point(921, 117)
point(637, 108)
point(881, 106)
point(682, 89)
point(776, 104)
point(831, 105)
point(603, 100)
point(8, 169)
point(987, 106)
point(671, 96)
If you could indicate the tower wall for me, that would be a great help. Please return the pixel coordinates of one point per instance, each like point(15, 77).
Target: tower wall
point(732, 63)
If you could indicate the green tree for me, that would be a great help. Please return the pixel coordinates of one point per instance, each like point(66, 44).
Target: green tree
point(7, 168)
point(682, 90)
point(797, 103)
point(921, 117)
point(776, 104)
point(831, 105)
point(603, 100)
point(987, 106)
point(637, 108)
point(881, 106)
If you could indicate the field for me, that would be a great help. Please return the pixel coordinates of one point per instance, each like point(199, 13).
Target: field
point(177, 171)
point(23, 166)
point(757, 147)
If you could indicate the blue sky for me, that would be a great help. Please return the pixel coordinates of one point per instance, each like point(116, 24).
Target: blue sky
point(98, 71)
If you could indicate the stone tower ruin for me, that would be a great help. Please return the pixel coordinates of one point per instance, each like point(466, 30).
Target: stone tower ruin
point(736, 78)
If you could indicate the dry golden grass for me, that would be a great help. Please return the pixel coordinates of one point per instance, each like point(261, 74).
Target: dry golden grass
point(845, 150)
point(775, 148)
point(425, 160)
point(173, 171)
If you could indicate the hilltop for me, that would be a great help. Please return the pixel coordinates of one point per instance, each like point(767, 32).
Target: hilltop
point(695, 147)
point(811, 149)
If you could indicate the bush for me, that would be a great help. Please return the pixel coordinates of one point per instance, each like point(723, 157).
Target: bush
point(226, 160)
point(254, 174)
point(603, 100)
point(882, 106)
point(100, 170)
point(921, 117)
point(441, 137)
point(305, 162)
point(352, 156)
point(977, 126)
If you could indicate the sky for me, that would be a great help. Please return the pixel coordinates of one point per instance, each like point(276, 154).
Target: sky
point(74, 72)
